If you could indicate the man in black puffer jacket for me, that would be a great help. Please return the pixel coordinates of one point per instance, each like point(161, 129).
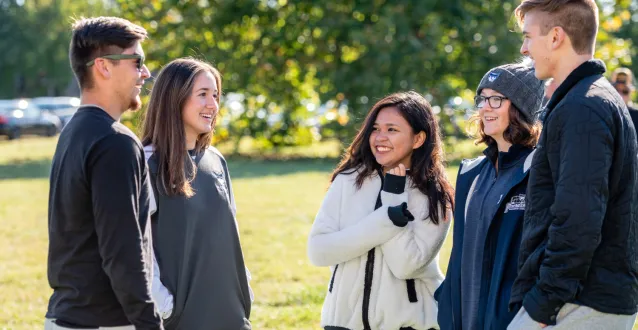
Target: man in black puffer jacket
point(578, 263)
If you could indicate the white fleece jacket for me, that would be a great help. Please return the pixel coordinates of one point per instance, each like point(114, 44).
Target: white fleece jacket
point(347, 226)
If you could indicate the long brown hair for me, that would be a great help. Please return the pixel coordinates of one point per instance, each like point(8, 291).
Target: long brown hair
point(427, 170)
point(519, 131)
point(163, 126)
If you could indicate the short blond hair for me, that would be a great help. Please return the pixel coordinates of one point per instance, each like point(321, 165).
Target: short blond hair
point(579, 19)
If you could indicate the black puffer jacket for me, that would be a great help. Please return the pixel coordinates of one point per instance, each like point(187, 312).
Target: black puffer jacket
point(580, 235)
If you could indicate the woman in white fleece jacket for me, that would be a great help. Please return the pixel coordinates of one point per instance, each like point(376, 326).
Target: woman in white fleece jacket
point(384, 220)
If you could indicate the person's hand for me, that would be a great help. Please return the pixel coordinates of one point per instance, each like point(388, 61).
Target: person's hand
point(398, 171)
point(543, 325)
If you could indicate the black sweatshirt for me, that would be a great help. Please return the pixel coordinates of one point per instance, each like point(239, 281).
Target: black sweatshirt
point(99, 263)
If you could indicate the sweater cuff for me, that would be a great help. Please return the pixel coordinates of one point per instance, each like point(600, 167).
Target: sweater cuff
point(394, 184)
point(400, 215)
point(540, 308)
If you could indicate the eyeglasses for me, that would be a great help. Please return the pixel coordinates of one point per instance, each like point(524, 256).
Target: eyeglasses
point(138, 57)
point(494, 101)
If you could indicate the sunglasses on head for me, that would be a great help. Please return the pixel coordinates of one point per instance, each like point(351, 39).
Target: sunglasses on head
point(140, 59)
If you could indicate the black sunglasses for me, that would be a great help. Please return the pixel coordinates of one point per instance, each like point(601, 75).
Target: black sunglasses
point(138, 57)
point(494, 101)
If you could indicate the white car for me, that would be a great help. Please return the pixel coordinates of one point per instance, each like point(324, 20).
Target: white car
point(62, 106)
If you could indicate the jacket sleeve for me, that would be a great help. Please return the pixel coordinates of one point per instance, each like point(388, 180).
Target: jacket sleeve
point(233, 206)
point(585, 145)
point(161, 296)
point(329, 244)
point(417, 245)
point(117, 173)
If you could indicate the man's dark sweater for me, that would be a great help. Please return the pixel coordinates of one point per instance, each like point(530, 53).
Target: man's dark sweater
point(99, 263)
point(580, 243)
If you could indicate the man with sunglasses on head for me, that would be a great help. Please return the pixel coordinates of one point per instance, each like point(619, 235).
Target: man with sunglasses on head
point(100, 261)
point(623, 81)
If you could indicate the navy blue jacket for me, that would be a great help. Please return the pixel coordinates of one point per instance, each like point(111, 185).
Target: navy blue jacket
point(501, 245)
point(580, 238)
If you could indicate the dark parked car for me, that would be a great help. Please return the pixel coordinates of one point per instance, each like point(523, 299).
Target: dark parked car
point(18, 117)
point(62, 106)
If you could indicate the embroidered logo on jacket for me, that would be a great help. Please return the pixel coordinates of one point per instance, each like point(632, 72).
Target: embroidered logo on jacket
point(517, 203)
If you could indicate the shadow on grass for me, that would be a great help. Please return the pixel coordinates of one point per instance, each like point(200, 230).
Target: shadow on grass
point(26, 169)
point(248, 167)
point(242, 167)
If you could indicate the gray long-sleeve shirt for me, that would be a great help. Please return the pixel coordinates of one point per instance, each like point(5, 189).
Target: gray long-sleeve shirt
point(197, 246)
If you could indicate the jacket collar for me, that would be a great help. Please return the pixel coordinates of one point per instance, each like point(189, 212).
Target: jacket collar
point(587, 69)
point(506, 159)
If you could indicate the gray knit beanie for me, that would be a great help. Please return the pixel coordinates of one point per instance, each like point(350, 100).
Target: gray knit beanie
point(518, 83)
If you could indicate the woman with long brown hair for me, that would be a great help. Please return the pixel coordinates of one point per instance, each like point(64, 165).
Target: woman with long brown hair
point(200, 280)
point(384, 220)
point(490, 196)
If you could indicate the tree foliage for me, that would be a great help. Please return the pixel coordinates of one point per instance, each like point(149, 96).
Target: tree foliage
point(34, 39)
point(296, 70)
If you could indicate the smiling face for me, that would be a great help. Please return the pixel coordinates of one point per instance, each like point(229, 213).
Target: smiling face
point(495, 119)
point(128, 79)
point(538, 47)
point(392, 139)
point(201, 107)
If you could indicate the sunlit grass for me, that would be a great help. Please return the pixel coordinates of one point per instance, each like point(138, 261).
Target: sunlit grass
point(276, 200)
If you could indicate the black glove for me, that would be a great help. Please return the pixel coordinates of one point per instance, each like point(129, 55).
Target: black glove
point(400, 215)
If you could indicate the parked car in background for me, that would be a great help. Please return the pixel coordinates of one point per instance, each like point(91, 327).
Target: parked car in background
point(18, 117)
point(63, 107)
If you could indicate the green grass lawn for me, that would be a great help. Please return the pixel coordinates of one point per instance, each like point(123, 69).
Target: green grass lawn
point(276, 201)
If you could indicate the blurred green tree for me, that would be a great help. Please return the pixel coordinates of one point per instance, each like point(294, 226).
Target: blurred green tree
point(297, 70)
point(34, 39)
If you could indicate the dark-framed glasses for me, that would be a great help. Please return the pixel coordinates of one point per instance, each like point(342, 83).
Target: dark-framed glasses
point(138, 57)
point(494, 101)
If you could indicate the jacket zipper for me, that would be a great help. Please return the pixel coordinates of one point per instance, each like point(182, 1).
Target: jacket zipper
point(369, 270)
point(332, 280)
point(367, 289)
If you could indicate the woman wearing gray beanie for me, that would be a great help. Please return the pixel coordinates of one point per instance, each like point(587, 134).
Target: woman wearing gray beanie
point(490, 202)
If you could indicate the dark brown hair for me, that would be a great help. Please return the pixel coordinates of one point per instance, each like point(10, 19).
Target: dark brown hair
point(427, 164)
point(519, 131)
point(579, 19)
point(163, 126)
point(99, 36)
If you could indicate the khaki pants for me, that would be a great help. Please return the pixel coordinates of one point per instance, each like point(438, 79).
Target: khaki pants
point(575, 317)
point(49, 324)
